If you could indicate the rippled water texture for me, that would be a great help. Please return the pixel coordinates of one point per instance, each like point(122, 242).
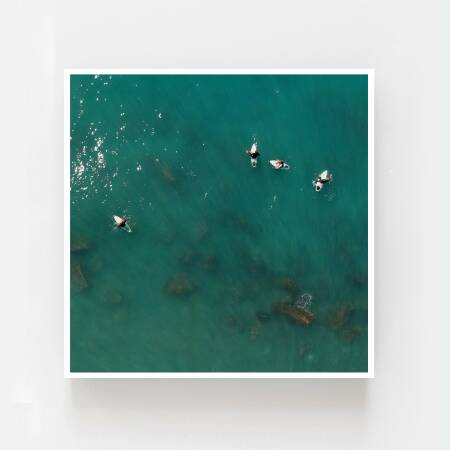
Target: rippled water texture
point(227, 268)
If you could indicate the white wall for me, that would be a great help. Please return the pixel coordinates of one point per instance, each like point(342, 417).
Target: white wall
point(406, 406)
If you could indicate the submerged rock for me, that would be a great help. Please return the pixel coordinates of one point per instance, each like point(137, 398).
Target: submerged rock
point(79, 244)
point(77, 276)
point(351, 333)
point(341, 319)
point(339, 316)
point(179, 285)
point(300, 315)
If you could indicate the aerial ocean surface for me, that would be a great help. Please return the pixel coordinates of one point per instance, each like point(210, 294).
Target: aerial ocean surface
point(228, 268)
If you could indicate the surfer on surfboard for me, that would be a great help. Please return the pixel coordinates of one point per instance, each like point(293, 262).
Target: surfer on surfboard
point(279, 164)
point(253, 153)
point(321, 179)
point(121, 222)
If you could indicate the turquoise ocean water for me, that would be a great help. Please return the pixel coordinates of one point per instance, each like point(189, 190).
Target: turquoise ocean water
point(221, 255)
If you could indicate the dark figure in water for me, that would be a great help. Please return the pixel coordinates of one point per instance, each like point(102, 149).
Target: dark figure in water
point(324, 177)
point(253, 153)
point(119, 221)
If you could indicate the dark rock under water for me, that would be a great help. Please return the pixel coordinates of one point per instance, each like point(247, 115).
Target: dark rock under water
point(77, 276)
point(299, 315)
point(345, 320)
point(179, 285)
point(79, 244)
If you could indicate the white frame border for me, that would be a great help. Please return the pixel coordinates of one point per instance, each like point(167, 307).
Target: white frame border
point(371, 217)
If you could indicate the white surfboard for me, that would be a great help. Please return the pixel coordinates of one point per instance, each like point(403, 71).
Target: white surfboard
point(317, 185)
point(118, 221)
point(274, 163)
point(325, 175)
point(253, 161)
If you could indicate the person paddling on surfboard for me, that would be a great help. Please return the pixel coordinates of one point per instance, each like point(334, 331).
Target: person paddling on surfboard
point(253, 153)
point(279, 164)
point(322, 178)
point(120, 221)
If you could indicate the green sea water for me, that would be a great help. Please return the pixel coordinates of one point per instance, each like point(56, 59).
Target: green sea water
point(219, 251)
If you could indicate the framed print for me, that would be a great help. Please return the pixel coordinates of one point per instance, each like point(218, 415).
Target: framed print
point(219, 223)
